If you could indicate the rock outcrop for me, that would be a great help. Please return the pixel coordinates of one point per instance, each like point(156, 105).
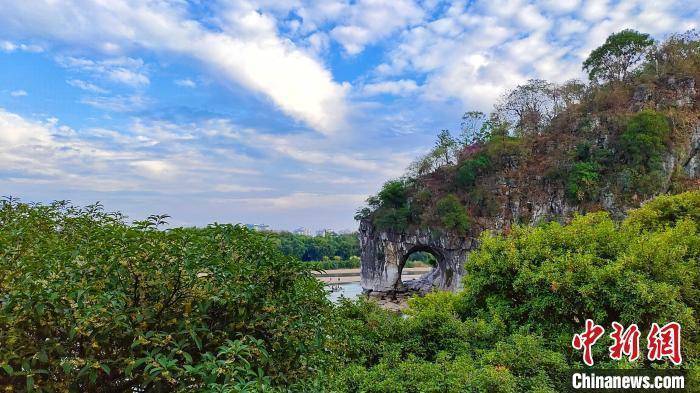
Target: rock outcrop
point(384, 255)
point(526, 188)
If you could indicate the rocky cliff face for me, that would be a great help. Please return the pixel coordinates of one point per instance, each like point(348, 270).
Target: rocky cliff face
point(384, 255)
point(525, 194)
point(550, 201)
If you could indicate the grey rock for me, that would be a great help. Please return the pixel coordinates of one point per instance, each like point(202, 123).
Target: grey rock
point(384, 255)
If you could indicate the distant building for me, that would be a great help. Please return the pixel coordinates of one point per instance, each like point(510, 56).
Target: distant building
point(258, 227)
point(324, 232)
point(302, 231)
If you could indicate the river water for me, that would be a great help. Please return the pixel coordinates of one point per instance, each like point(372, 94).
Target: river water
point(350, 290)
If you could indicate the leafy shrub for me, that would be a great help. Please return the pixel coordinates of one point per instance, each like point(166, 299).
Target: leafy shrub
point(470, 169)
point(328, 264)
point(526, 294)
point(503, 151)
point(315, 248)
point(88, 302)
point(421, 258)
point(582, 181)
point(434, 350)
point(550, 278)
point(392, 218)
point(678, 55)
point(393, 194)
point(452, 214)
point(665, 210)
point(644, 140)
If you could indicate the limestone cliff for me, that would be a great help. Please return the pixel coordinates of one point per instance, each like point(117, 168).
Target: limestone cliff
point(613, 149)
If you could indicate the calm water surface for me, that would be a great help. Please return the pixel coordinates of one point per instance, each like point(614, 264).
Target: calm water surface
point(350, 291)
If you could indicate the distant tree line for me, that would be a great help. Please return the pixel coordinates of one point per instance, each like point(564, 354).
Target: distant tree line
point(318, 248)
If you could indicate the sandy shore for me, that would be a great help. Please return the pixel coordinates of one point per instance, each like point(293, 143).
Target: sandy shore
point(344, 276)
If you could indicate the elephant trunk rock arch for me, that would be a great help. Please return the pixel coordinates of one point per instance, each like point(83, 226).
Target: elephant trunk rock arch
point(384, 254)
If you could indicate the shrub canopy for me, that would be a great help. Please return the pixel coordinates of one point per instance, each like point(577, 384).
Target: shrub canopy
point(89, 302)
point(525, 296)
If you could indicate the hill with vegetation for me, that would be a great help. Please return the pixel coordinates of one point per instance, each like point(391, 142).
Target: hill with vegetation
point(549, 150)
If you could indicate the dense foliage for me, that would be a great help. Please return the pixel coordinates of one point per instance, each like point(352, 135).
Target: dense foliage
point(88, 302)
point(318, 248)
point(617, 57)
point(453, 215)
point(524, 298)
point(644, 140)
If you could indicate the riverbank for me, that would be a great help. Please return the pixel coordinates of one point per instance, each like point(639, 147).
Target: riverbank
point(345, 276)
point(346, 282)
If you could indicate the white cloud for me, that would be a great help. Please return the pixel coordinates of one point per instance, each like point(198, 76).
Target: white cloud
point(132, 103)
point(87, 86)
point(226, 188)
point(18, 93)
point(560, 6)
point(17, 131)
point(246, 50)
point(297, 200)
point(475, 52)
point(155, 168)
point(47, 153)
point(124, 70)
point(595, 10)
point(398, 87)
point(186, 83)
point(8, 46)
point(145, 157)
point(129, 77)
point(368, 21)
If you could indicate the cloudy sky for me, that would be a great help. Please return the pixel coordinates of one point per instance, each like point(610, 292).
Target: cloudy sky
point(286, 112)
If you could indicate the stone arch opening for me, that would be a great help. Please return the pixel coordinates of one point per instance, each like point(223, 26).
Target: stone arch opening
point(439, 259)
point(384, 254)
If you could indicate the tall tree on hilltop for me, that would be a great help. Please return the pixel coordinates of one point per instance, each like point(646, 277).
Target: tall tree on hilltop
point(618, 56)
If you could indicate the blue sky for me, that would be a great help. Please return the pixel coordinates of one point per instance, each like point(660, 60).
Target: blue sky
point(288, 113)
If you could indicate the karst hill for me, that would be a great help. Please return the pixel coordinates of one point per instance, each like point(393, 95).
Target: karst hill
point(546, 152)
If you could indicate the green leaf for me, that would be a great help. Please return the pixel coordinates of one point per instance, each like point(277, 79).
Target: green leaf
point(30, 383)
point(8, 369)
point(196, 339)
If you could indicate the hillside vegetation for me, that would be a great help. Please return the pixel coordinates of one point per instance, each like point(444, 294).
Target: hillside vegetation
point(548, 150)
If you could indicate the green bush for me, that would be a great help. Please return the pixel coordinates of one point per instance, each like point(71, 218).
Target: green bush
point(452, 214)
point(665, 210)
point(526, 295)
point(551, 278)
point(503, 150)
point(329, 264)
point(582, 181)
point(90, 303)
point(393, 194)
point(616, 59)
point(470, 169)
point(392, 218)
point(315, 248)
point(644, 140)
